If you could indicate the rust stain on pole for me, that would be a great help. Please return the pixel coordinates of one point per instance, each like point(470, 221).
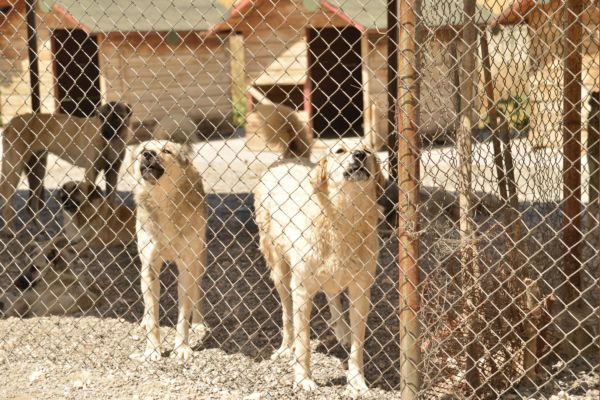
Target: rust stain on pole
point(572, 235)
point(408, 175)
point(469, 267)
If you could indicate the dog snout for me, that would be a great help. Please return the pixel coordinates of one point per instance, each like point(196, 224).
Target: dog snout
point(360, 155)
point(149, 155)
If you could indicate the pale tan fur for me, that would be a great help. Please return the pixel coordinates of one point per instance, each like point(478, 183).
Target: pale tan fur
point(53, 287)
point(318, 233)
point(95, 224)
point(279, 128)
point(171, 226)
point(79, 141)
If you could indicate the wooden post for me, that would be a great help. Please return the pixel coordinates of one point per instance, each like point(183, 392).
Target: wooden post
point(408, 176)
point(572, 235)
point(470, 273)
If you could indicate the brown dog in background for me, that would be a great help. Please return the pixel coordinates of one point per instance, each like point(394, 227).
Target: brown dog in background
point(92, 223)
point(96, 144)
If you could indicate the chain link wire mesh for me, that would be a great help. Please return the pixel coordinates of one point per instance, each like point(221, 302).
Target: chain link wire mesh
point(261, 192)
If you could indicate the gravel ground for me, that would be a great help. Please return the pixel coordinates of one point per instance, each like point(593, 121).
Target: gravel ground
point(90, 356)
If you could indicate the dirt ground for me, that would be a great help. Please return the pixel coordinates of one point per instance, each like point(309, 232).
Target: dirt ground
point(90, 356)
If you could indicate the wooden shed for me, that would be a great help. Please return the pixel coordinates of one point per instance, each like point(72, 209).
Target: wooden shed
point(329, 59)
point(546, 24)
point(156, 55)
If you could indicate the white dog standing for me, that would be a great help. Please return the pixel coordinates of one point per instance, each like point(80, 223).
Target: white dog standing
point(171, 226)
point(318, 232)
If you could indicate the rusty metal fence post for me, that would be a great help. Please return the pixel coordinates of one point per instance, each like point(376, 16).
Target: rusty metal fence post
point(572, 149)
point(408, 174)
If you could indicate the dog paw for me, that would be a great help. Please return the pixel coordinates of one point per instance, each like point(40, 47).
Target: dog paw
point(283, 352)
point(183, 354)
point(342, 333)
point(357, 387)
point(199, 330)
point(305, 384)
point(152, 354)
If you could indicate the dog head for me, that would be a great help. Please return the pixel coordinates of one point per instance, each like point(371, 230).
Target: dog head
point(74, 195)
point(47, 261)
point(355, 167)
point(157, 158)
point(114, 117)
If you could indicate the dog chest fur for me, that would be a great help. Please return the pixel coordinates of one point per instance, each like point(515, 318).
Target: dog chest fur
point(335, 235)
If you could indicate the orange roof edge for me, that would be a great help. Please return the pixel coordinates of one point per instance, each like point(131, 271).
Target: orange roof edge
point(337, 11)
point(70, 19)
point(515, 14)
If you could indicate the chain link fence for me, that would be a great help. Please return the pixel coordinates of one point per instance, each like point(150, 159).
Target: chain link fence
point(291, 176)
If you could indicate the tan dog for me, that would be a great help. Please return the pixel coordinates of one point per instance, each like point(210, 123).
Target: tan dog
point(48, 285)
point(171, 226)
point(317, 228)
point(90, 221)
point(96, 144)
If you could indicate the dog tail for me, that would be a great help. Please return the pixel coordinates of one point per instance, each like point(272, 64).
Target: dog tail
point(300, 141)
point(114, 117)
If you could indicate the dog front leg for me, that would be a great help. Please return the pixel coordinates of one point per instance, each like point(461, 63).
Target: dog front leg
point(281, 278)
point(337, 323)
point(199, 328)
point(187, 291)
point(12, 166)
point(359, 299)
point(35, 170)
point(302, 305)
point(112, 178)
point(151, 264)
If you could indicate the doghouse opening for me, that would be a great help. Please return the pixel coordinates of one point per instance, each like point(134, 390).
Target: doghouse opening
point(76, 71)
point(335, 81)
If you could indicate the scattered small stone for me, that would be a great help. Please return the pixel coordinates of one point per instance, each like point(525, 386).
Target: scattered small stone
point(254, 396)
point(35, 375)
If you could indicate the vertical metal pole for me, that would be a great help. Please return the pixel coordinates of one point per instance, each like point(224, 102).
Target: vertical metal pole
point(493, 116)
point(32, 52)
point(572, 235)
point(408, 175)
point(469, 267)
point(392, 74)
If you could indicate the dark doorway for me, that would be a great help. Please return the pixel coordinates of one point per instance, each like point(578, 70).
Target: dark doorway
point(335, 74)
point(76, 71)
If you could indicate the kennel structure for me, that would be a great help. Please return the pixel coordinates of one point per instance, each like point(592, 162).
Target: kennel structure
point(546, 24)
point(168, 61)
point(328, 59)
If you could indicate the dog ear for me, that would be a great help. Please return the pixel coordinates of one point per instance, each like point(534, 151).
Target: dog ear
point(594, 99)
point(378, 175)
point(321, 175)
point(185, 153)
point(103, 110)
